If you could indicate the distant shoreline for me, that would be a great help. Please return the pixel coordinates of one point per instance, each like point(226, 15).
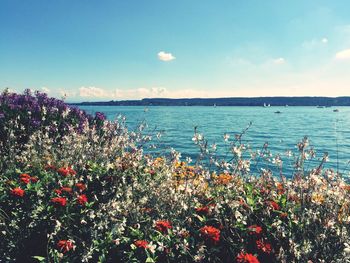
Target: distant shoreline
point(255, 102)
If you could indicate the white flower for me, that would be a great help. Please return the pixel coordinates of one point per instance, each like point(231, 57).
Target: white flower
point(226, 137)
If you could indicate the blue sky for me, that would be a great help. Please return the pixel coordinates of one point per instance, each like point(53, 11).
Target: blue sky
point(94, 50)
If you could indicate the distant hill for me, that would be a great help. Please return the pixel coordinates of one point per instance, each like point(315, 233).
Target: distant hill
point(257, 101)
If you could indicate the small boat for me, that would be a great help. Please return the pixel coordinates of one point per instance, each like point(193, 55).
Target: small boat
point(214, 105)
point(278, 112)
point(336, 110)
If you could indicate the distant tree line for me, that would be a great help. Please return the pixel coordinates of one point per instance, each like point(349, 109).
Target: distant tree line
point(257, 101)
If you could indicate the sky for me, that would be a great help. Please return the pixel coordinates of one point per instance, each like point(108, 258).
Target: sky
point(116, 49)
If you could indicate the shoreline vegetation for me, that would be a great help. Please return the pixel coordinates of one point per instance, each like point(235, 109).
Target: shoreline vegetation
point(79, 188)
point(257, 101)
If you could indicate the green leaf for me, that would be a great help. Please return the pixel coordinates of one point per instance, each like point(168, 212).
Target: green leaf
point(249, 187)
point(150, 260)
point(39, 258)
point(250, 201)
point(284, 200)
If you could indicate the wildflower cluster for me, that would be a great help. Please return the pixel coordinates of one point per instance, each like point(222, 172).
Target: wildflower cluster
point(93, 195)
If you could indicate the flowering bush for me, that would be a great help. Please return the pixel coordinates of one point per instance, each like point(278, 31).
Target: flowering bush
point(92, 195)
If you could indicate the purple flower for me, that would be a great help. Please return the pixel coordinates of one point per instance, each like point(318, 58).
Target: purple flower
point(100, 116)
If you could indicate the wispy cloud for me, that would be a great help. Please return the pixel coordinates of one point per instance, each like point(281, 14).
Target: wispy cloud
point(343, 55)
point(279, 61)
point(165, 56)
point(315, 43)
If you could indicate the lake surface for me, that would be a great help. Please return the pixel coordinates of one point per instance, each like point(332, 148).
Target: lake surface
point(327, 131)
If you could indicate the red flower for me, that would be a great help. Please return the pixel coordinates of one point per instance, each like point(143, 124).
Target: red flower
point(204, 210)
point(254, 230)
point(60, 201)
point(65, 171)
point(80, 186)
point(210, 233)
point(65, 245)
point(66, 189)
point(25, 178)
point(274, 205)
point(50, 167)
point(82, 199)
point(34, 179)
point(141, 243)
point(163, 226)
point(264, 247)
point(17, 192)
point(58, 191)
point(247, 258)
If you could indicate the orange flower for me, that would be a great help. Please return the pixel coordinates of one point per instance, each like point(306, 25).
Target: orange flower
point(18, 192)
point(255, 229)
point(247, 258)
point(224, 179)
point(210, 233)
point(280, 188)
point(65, 245)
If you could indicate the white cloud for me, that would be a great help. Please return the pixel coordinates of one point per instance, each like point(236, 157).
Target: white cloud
point(165, 56)
point(324, 40)
point(45, 89)
point(279, 61)
point(99, 93)
point(92, 92)
point(343, 55)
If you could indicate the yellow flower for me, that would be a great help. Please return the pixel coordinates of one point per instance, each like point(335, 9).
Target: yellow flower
point(317, 198)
